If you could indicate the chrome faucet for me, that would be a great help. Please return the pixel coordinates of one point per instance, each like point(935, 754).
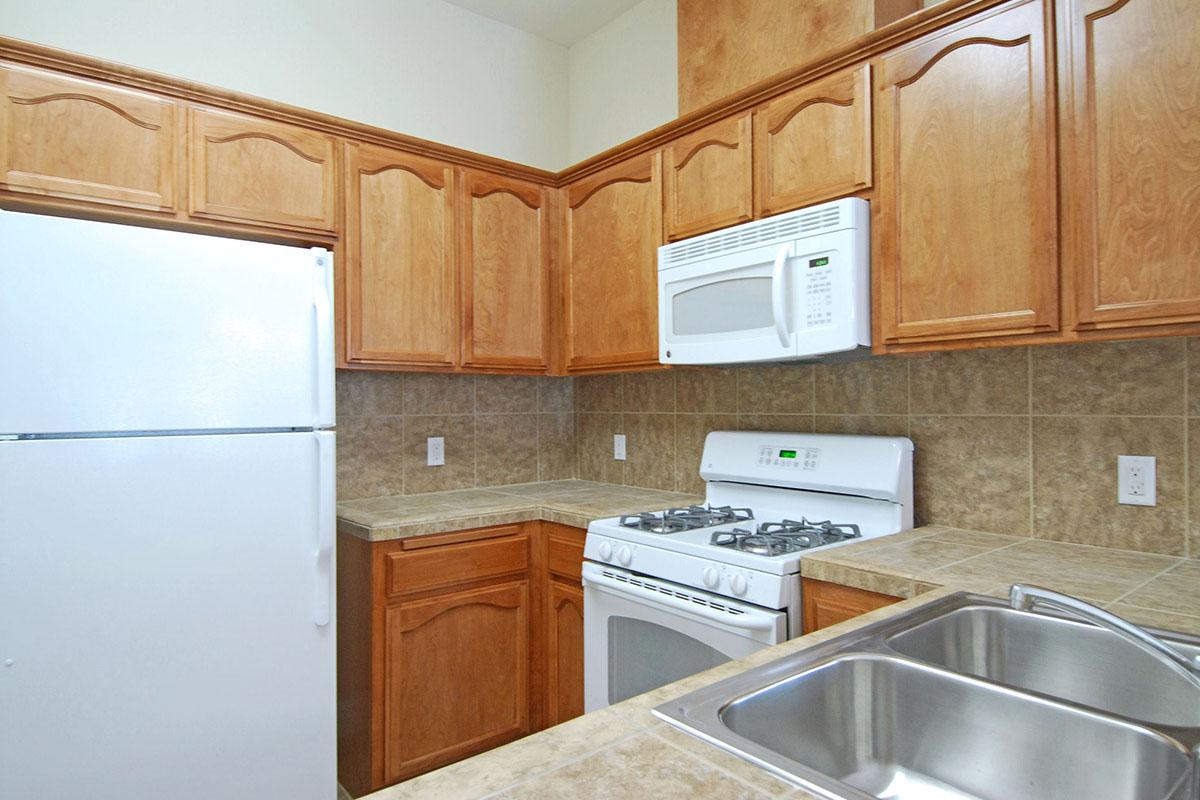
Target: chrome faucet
point(1022, 597)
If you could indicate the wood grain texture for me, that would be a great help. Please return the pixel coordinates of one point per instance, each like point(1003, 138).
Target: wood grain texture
point(504, 251)
point(77, 139)
point(824, 604)
point(564, 633)
point(247, 169)
point(1131, 194)
point(457, 676)
point(814, 143)
point(402, 302)
point(435, 567)
point(354, 663)
point(565, 550)
point(966, 216)
point(613, 231)
point(708, 179)
point(727, 45)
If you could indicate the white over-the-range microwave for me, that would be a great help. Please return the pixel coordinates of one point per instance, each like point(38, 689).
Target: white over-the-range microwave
point(790, 287)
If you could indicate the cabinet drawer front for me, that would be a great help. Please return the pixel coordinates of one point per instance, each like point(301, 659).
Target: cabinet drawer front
point(565, 553)
point(418, 571)
point(708, 178)
point(252, 170)
point(83, 140)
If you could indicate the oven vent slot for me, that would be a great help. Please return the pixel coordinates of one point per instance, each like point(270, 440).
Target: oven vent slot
point(671, 591)
point(787, 226)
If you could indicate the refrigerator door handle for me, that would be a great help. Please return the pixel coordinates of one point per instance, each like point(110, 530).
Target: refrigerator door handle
point(323, 594)
point(323, 315)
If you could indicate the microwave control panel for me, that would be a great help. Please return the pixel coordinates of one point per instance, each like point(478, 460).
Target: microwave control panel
point(818, 280)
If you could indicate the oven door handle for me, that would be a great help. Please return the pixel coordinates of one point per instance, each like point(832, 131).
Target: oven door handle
point(778, 297)
point(702, 605)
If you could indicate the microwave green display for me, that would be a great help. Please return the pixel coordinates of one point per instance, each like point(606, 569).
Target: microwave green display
point(787, 453)
point(823, 261)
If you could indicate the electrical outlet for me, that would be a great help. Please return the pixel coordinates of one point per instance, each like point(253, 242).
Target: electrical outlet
point(1136, 481)
point(435, 451)
point(618, 447)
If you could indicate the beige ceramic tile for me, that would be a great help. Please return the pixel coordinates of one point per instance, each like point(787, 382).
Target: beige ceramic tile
point(870, 386)
point(556, 394)
point(594, 443)
point(988, 541)
point(650, 450)
point(459, 470)
point(506, 448)
point(857, 576)
point(1176, 591)
point(500, 394)
point(370, 456)
point(431, 393)
point(1075, 500)
point(706, 390)
point(784, 389)
point(862, 424)
point(650, 391)
point(972, 472)
point(1193, 377)
point(994, 381)
point(1119, 378)
point(554, 488)
point(556, 446)
point(744, 771)
point(369, 394)
point(1183, 623)
point(599, 393)
point(910, 559)
point(1193, 456)
point(690, 430)
point(786, 423)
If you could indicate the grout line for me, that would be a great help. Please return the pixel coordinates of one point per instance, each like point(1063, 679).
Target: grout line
point(534, 775)
point(695, 756)
point(1187, 456)
point(1029, 446)
point(1143, 585)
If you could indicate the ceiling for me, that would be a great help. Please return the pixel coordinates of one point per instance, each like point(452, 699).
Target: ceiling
point(562, 21)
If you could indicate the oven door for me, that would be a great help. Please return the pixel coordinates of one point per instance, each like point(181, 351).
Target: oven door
point(642, 633)
point(731, 308)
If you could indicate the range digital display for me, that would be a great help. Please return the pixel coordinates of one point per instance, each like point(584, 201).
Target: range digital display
point(787, 453)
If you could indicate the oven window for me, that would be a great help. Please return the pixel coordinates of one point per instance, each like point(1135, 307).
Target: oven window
point(644, 656)
point(737, 304)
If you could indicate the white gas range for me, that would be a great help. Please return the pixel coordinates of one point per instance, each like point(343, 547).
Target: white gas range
point(671, 592)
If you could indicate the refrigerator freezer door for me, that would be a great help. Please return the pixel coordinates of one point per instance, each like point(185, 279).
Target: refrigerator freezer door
point(157, 623)
point(110, 328)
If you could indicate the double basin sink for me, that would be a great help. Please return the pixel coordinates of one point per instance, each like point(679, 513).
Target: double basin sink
point(964, 698)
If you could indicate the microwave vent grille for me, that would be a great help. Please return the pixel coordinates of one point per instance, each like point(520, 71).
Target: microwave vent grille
point(783, 227)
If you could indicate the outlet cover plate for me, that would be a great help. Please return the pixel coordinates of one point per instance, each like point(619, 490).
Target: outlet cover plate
point(435, 451)
point(618, 447)
point(1136, 484)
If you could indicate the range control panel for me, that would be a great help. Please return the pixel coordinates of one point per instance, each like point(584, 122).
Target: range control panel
point(789, 458)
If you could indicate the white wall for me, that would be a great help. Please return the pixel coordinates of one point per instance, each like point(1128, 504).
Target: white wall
point(623, 79)
point(421, 67)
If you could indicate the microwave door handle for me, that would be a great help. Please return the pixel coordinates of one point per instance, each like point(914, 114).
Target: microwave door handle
point(778, 297)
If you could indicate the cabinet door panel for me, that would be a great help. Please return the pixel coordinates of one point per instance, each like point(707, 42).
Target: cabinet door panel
point(401, 302)
point(253, 170)
point(457, 677)
point(1132, 188)
point(966, 206)
point(505, 272)
point(814, 143)
point(565, 648)
point(83, 140)
point(614, 228)
point(824, 604)
point(709, 178)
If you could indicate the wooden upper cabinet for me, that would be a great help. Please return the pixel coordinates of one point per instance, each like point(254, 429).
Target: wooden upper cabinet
point(504, 272)
point(246, 169)
point(614, 229)
point(966, 239)
point(401, 303)
point(1131, 146)
point(708, 178)
point(82, 140)
point(813, 143)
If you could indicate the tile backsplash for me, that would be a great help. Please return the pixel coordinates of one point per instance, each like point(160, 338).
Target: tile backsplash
point(1021, 441)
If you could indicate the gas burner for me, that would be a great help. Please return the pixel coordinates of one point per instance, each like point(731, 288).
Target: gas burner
point(781, 538)
point(674, 520)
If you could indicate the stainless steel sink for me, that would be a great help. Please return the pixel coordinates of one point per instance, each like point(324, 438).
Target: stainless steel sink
point(962, 699)
point(1056, 657)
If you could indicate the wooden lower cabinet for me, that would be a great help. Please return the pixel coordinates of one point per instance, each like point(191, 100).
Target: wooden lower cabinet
point(824, 604)
point(451, 644)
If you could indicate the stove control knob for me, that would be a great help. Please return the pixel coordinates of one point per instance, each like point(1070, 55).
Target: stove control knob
point(625, 556)
point(712, 578)
point(606, 551)
point(738, 584)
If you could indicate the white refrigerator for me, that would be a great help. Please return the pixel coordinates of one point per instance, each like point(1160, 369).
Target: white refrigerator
point(166, 515)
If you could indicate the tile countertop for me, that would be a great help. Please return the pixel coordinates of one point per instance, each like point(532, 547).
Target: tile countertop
point(623, 751)
point(569, 502)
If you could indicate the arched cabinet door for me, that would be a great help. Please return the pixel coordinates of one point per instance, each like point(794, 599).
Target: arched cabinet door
point(401, 304)
point(1131, 147)
point(966, 239)
point(246, 169)
point(708, 178)
point(613, 231)
point(76, 139)
point(565, 646)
